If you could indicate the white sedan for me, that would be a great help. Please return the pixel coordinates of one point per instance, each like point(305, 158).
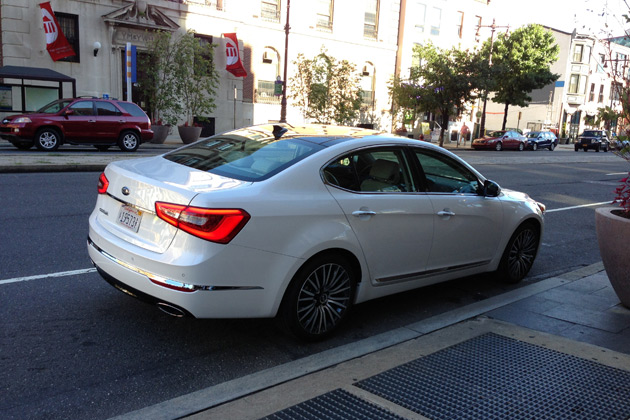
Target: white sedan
point(302, 223)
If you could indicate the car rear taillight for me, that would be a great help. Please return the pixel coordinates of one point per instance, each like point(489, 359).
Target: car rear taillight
point(215, 225)
point(103, 183)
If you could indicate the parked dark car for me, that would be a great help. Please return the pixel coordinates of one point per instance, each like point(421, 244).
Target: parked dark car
point(99, 122)
point(501, 139)
point(593, 139)
point(541, 140)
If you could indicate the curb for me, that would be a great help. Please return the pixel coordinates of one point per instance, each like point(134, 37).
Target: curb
point(235, 389)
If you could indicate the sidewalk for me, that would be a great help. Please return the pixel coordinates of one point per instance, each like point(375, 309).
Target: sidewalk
point(558, 348)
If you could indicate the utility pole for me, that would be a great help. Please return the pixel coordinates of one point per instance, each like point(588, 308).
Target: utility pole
point(283, 102)
point(493, 27)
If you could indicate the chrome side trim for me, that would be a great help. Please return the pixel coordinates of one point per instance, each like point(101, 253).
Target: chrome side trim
point(165, 281)
point(423, 274)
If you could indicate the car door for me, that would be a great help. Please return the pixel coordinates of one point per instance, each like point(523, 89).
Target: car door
point(467, 225)
point(510, 140)
point(109, 121)
point(80, 123)
point(391, 219)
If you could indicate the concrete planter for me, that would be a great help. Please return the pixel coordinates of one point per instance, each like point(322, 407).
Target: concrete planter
point(613, 232)
point(160, 132)
point(189, 134)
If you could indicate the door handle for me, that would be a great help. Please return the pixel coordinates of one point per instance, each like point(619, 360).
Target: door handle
point(360, 213)
point(446, 213)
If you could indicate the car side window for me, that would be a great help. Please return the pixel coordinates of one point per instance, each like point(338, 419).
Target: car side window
point(82, 108)
point(445, 175)
point(107, 109)
point(374, 170)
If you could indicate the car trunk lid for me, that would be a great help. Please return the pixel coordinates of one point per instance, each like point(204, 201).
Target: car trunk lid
point(128, 209)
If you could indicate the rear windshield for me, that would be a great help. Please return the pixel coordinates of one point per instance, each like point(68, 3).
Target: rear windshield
point(243, 158)
point(132, 109)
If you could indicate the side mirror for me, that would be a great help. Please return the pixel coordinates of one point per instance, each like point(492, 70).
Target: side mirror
point(491, 189)
point(68, 112)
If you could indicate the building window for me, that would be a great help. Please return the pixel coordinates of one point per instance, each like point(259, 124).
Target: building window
point(270, 10)
point(367, 85)
point(421, 17)
point(268, 74)
point(600, 98)
point(460, 24)
point(577, 53)
point(436, 17)
point(69, 25)
point(615, 92)
point(324, 11)
point(574, 83)
point(591, 96)
point(370, 24)
point(620, 63)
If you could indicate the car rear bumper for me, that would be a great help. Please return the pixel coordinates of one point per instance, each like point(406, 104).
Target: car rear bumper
point(209, 287)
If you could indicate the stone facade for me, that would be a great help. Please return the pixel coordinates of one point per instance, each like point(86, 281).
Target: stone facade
point(379, 46)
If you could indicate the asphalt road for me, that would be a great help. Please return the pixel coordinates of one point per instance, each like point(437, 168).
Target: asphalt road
point(74, 347)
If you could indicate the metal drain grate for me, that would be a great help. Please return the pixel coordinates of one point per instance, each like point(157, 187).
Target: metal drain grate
point(338, 404)
point(492, 376)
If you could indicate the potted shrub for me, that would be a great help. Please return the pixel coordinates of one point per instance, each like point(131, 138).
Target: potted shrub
point(159, 90)
point(196, 81)
point(613, 231)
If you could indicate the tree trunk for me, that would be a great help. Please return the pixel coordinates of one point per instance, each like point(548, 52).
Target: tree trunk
point(444, 124)
point(505, 114)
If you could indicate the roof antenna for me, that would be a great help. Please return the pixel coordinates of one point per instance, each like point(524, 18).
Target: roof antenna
point(278, 131)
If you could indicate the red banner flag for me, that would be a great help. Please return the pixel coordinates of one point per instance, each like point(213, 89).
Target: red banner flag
point(234, 64)
point(56, 43)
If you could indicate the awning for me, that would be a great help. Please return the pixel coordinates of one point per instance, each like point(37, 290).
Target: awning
point(37, 73)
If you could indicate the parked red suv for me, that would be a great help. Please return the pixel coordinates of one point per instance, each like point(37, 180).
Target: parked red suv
point(99, 122)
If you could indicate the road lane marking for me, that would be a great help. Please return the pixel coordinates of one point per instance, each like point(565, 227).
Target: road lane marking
point(578, 207)
point(49, 275)
point(617, 174)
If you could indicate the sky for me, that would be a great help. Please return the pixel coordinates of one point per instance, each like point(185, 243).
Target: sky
point(598, 17)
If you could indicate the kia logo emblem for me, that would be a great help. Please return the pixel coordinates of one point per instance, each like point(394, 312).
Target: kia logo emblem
point(125, 191)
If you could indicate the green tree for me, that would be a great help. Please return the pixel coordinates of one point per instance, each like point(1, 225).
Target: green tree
point(521, 63)
point(196, 78)
point(325, 89)
point(158, 84)
point(606, 115)
point(443, 82)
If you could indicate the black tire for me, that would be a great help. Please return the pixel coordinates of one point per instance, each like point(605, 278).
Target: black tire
point(597, 148)
point(47, 139)
point(102, 148)
point(521, 147)
point(129, 141)
point(519, 254)
point(576, 149)
point(552, 147)
point(585, 149)
point(498, 147)
point(319, 297)
point(534, 146)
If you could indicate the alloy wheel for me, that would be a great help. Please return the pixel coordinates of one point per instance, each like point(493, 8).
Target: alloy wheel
point(522, 253)
point(324, 298)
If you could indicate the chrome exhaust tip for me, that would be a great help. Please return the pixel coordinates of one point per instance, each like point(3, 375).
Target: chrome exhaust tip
point(171, 310)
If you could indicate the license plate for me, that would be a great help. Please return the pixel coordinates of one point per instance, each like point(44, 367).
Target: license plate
point(130, 218)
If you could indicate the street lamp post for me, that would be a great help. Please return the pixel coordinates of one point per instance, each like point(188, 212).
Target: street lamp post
point(493, 27)
point(283, 102)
